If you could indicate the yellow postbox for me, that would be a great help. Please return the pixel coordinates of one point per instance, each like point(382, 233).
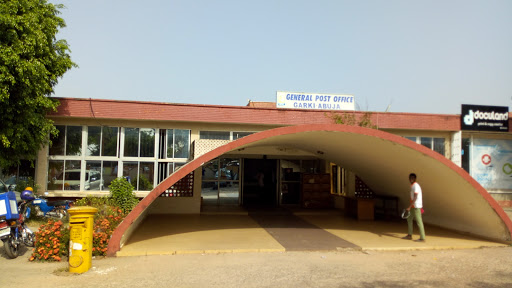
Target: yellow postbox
point(81, 223)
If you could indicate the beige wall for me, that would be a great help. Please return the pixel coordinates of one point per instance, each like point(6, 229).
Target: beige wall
point(180, 205)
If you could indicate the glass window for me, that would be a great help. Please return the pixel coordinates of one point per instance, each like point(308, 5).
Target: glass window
point(214, 135)
point(64, 179)
point(93, 140)
point(93, 179)
point(466, 149)
point(131, 142)
point(230, 168)
point(181, 144)
point(146, 172)
point(147, 142)
point(109, 141)
point(72, 175)
point(439, 145)
point(55, 174)
point(210, 170)
point(58, 142)
point(238, 135)
point(413, 139)
point(221, 186)
point(108, 173)
point(74, 141)
point(426, 141)
point(178, 143)
point(130, 171)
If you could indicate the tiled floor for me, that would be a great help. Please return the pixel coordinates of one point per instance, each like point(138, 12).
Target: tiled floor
point(278, 231)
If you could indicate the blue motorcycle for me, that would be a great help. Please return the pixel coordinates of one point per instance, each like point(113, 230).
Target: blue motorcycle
point(13, 229)
point(54, 209)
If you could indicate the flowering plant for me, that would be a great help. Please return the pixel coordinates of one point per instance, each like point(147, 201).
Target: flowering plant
point(52, 241)
point(104, 226)
point(52, 238)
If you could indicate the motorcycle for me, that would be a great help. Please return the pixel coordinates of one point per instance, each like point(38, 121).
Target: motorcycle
point(15, 232)
point(54, 209)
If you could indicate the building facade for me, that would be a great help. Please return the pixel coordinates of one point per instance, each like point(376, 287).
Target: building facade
point(100, 140)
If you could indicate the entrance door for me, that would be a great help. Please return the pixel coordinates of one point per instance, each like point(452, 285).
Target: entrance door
point(260, 183)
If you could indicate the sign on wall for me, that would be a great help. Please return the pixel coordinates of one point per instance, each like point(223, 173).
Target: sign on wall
point(484, 118)
point(491, 163)
point(299, 100)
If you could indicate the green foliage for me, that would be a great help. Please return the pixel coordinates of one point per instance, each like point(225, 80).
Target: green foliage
point(21, 184)
point(122, 193)
point(96, 202)
point(31, 61)
point(349, 118)
point(144, 183)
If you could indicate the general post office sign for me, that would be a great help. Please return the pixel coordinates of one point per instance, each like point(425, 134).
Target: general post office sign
point(484, 118)
point(317, 101)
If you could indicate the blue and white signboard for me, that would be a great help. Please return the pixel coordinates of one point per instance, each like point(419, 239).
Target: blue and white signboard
point(491, 163)
point(317, 101)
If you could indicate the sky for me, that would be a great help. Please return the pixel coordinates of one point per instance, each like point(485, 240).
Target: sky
point(401, 55)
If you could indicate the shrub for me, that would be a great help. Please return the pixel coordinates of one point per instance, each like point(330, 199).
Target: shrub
point(97, 202)
point(122, 193)
point(22, 183)
point(105, 221)
point(52, 238)
point(144, 183)
point(104, 226)
point(52, 242)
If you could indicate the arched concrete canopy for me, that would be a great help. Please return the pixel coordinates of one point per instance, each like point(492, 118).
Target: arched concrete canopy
point(451, 197)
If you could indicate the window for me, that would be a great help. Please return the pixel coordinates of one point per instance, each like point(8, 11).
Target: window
point(215, 135)
point(426, 141)
point(436, 144)
point(238, 135)
point(222, 135)
point(139, 174)
point(93, 141)
point(439, 145)
point(221, 182)
point(139, 142)
point(99, 174)
point(67, 142)
point(131, 142)
point(64, 174)
point(109, 141)
point(178, 143)
point(74, 141)
point(102, 141)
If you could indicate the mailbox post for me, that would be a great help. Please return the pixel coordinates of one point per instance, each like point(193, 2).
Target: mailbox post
point(81, 223)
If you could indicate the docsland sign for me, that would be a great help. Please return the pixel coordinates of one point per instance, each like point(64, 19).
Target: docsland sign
point(484, 118)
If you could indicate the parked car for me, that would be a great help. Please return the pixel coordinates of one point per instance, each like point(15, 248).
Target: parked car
point(4, 187)
point(71, 180)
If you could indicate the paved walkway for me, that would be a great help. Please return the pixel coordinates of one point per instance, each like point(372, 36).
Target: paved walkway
point(279, 231)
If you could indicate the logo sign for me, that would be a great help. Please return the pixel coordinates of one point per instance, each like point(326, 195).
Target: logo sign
point(484, 118)
point(486, 159)
point(316, 101)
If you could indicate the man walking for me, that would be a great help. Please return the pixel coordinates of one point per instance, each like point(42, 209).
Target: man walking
point(415, 209)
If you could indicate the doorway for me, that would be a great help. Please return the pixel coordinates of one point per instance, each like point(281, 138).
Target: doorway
point(260, 183)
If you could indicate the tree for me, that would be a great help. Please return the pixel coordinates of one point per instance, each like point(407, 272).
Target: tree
point(31, 61)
